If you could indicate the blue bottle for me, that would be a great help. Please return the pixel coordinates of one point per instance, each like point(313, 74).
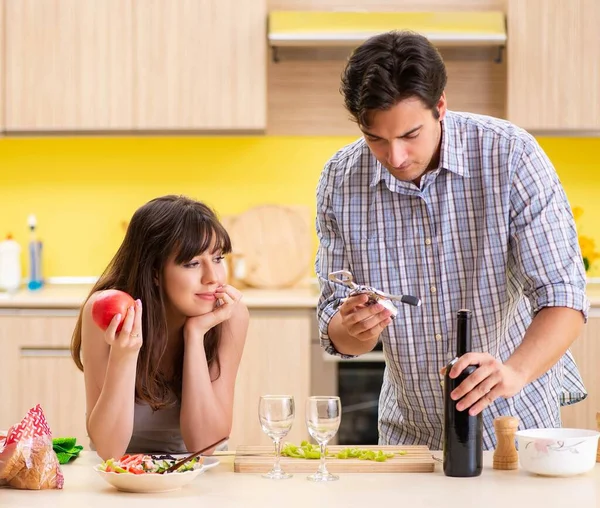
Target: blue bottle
point(35, 257)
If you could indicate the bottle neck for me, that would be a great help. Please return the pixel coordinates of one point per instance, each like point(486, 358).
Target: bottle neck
point(463, 332)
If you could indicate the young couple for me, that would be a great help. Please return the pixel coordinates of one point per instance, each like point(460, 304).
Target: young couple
point(461, 210)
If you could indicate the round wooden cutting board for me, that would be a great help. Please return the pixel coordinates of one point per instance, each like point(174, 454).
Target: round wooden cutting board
point(274, 244)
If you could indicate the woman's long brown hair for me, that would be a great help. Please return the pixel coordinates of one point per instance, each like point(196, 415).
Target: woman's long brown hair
point(165, 226)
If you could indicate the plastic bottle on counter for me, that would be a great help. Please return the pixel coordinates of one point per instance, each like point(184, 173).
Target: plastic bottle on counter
point(35, 256)
point(10, 265)
point(463, 433)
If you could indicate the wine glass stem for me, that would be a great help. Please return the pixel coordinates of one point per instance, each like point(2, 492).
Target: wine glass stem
point(276, 466)
point(322, 467)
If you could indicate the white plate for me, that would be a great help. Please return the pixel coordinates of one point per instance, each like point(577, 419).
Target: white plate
point(210, 462)
point(146, 483)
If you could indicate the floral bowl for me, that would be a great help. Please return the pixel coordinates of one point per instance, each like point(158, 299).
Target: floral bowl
point(557, 452)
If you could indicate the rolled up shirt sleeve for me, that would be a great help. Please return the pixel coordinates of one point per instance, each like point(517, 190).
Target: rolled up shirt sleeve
point(330, 257)
point(545, 253)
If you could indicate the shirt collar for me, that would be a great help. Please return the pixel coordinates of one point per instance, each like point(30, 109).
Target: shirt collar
point(451, 154)
point(379, 172)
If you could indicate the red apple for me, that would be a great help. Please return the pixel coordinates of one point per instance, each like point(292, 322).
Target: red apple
point(109, 303)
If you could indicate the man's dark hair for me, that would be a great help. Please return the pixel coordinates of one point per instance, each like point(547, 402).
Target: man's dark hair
point(389, 68)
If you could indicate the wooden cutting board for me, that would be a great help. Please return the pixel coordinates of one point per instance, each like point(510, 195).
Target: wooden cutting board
point(259, 459)
point(274, 244)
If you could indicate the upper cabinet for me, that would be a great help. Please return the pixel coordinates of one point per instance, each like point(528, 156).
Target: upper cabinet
point(1, 67)
point(302, 29)
point(69, 65)
point(554, 64)
point(127, 65)
point(200, 64)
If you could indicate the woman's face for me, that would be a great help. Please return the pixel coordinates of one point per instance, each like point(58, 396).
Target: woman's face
point(190, 287)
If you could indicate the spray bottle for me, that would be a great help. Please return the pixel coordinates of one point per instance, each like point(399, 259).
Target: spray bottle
point(35, 256)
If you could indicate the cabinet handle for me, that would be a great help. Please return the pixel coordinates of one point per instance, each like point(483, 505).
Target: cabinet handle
point(39, 312)
point(375, 356)
point(36, 352)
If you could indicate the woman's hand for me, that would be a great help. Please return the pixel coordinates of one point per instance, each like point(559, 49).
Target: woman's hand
point(128, 341)
point(228, 299)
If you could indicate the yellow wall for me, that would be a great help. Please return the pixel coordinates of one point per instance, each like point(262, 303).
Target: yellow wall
point(82, 189)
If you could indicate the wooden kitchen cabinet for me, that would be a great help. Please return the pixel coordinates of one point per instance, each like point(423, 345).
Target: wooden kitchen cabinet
point(37, 368)
point(200, 64)
point(276, 361)
point(2, 59)
point(68, 65)
point(124, 65)
point(586, 351)
point(553, 55)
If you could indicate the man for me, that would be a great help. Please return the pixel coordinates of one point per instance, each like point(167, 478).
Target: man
point(463, 211)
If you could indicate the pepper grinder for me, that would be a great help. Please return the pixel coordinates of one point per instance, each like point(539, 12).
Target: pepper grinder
point(505, 455)
point(598, 425)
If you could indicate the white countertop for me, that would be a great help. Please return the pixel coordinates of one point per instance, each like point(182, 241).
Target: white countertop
point(71, 296)
point(221, 488)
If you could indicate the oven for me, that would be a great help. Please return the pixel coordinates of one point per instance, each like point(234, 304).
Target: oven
point(357, 382)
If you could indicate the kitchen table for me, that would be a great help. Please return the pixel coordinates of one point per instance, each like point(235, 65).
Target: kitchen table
point(221, 487)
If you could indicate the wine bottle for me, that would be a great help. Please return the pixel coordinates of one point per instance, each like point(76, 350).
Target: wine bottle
point(463, 433)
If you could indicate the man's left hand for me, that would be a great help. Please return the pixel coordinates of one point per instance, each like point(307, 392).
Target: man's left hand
point(491, 380)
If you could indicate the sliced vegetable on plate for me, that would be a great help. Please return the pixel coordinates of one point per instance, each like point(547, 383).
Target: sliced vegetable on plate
point(140, 464)
point(307, 450)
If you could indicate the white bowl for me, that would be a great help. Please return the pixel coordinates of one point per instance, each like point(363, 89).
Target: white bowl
point(557, 452)
point(208, 461)
point(149, 482)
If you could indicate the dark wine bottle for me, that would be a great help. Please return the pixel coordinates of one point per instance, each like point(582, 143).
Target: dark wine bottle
point(463, 433)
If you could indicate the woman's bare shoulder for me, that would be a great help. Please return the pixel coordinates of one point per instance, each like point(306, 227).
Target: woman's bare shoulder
point(91, 299)
point(87, 323)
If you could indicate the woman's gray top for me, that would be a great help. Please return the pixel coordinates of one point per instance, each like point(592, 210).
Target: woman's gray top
point(157, 431)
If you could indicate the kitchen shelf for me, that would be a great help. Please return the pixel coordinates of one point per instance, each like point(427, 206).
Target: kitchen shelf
point(327, 29)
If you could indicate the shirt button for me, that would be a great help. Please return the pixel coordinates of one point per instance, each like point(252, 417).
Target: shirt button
point(427, 241)
point(433, 289)
point(438, 336)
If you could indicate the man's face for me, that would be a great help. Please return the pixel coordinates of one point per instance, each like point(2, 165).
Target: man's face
point(405, 138)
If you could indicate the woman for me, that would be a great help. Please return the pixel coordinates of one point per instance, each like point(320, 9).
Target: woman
point(165, 382)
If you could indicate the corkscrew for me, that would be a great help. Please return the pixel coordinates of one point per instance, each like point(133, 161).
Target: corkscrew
point(375, 295)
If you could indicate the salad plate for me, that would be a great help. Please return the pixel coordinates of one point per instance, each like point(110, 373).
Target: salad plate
point(143, 473)
point(209, 461)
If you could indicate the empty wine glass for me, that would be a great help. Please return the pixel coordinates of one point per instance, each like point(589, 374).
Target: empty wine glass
point(323, 415)
point(276, 415)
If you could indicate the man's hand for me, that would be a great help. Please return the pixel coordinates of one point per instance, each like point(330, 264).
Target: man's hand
point(363, 322)
point(491, 380)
